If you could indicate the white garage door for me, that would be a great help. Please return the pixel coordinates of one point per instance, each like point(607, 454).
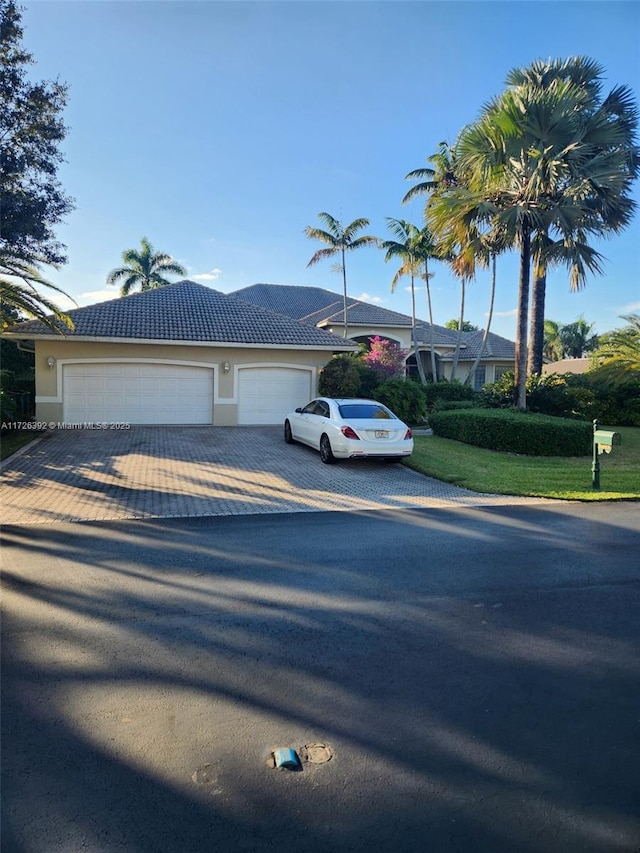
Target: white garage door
point(266, 394)
point(137, 393)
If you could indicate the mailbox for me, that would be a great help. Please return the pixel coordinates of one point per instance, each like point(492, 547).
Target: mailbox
point(606, 439)
point(603, 441)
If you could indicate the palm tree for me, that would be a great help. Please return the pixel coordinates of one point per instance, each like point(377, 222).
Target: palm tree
point(20, 283)
point(618, 354)
point(558, 165)
point(144, 268)
point(339, 240)
point(553, 350)
point(427, 249)
point(577, 339)
point(606, 165)
point(404, 247)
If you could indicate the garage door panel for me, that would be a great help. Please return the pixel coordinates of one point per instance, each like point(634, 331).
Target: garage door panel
point(267, 394)
point(137, 393)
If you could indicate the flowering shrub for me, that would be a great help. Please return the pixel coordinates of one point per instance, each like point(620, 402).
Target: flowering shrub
point(385, 358)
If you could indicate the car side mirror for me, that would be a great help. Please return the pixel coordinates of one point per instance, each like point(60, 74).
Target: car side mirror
point(299, 410)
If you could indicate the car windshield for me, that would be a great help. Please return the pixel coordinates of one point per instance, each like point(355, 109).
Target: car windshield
point(364, 411)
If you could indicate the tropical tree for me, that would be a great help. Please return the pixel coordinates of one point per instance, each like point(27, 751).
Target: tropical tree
point(144, 268)
point(454, 325)
point(577, 339)
point(603, 137)
point(404, 249)
point(32, 200)
point(558, 167)
point(617, 358)
point(553, 349)
point(339, 240)
point(20, 290)
point(426, 249)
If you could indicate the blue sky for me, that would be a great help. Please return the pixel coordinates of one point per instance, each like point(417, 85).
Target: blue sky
point(220, 130)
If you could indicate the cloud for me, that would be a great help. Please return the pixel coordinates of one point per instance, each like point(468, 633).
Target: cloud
point(90, 297)
point(630, 308)
point(366, 297)
point(512, 313)
point(207, 276)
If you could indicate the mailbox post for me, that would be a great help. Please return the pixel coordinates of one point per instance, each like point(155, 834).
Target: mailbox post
point(603, 441)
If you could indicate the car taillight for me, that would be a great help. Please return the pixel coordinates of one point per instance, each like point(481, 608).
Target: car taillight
point(349, 433)
point(408, 434)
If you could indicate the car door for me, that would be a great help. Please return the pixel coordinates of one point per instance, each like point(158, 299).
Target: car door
point(321, 422)
point(303, 425)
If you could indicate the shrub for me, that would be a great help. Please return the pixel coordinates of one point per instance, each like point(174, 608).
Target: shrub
point(369, 380)
point(435, 392)
point(405, 398)
point(385, 358)
point(515, 432)
point(446, 405)
point(339, 378)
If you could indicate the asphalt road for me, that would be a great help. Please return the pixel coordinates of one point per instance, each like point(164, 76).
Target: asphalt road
point(476, 673)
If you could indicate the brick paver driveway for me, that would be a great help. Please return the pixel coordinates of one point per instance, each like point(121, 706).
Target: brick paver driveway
point(161, 472)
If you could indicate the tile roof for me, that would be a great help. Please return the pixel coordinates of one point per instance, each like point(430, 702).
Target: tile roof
point(290, 300)
point(186, 311)
point(495, 347)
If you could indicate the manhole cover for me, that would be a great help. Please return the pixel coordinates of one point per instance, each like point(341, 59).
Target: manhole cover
point(316, 753)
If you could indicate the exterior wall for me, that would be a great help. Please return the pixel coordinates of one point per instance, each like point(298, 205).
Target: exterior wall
point(463, 369)
point(225, 401)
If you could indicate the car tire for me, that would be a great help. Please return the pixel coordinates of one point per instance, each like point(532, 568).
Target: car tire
point(326, 454)
point(288, 435)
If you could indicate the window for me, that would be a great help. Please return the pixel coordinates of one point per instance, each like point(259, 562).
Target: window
point(479, 378)
point(364, 411)
point(499, 372)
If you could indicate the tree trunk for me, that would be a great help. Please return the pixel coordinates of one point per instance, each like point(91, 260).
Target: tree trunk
point(456, 354)
point(536, 329)
point(475, 364)
point(521, 325)
point(414, 334)
point(432, 349)
point(344, 292)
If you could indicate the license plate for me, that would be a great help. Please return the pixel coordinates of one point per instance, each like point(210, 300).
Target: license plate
point(382, 433)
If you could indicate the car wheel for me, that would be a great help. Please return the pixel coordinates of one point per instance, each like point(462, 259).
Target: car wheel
point(326, 454)
point(288, 436)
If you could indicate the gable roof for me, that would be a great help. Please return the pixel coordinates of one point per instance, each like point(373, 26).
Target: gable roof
point(186, 312)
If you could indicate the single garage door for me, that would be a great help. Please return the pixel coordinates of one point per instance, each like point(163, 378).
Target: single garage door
point(267, 394)
point(137, 393)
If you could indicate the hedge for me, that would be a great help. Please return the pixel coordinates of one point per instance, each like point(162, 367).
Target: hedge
point(515, 432)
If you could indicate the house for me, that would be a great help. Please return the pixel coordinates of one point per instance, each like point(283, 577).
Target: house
point(181, 354)
point(187, 354)
point(567, 365)
point(325, 310)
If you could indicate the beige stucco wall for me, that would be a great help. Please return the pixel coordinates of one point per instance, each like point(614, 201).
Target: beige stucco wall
point(225, 406)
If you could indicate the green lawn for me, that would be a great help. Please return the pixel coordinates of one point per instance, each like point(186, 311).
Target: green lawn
point(12, 441)
point(549, 477)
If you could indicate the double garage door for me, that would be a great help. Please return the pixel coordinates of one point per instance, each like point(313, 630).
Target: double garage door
point(139, 393)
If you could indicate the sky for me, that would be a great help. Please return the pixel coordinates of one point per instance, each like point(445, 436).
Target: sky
point(219, 130)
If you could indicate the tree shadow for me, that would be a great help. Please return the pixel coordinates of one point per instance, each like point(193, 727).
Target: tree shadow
point(473, 703)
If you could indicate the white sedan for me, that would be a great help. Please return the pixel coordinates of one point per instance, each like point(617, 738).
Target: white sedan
point(347, 428)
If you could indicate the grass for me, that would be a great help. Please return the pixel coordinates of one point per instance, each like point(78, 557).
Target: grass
point(10, 442)
point(538, 476)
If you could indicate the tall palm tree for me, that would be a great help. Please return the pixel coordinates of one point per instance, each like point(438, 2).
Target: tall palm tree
point(604, 138)
point(427, 249)
point(405, 247)
point(20, 284)
point(144, 268)
point(558, 164)
point(339, 240)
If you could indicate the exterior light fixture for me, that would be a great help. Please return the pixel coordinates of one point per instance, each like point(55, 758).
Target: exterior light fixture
point(226, 367)
point(51, 362)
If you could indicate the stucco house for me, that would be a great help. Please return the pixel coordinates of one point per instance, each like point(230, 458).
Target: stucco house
point(181, 354)
point(326, 311)
point(187, 354)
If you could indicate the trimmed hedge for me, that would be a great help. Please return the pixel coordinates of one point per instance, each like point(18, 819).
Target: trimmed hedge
point(515, 432)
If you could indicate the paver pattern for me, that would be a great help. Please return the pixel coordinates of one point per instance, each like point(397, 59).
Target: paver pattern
point(165, 472)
